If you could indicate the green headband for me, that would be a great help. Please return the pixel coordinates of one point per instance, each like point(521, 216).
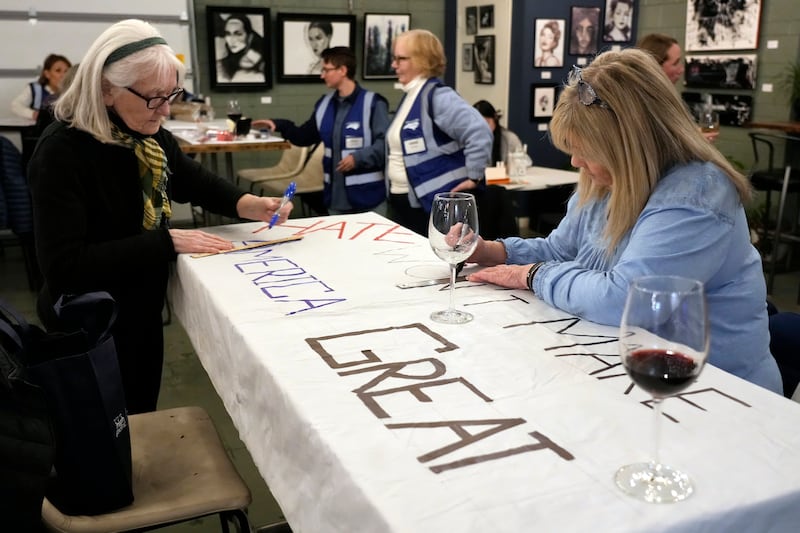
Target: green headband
point(131, 48)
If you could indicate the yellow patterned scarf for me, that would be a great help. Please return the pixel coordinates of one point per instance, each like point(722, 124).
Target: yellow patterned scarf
point(153, 173)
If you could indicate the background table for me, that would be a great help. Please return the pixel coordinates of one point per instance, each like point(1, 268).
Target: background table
point(364, 415)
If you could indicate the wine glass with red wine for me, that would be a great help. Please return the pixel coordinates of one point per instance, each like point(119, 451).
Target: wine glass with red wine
point(664, 343)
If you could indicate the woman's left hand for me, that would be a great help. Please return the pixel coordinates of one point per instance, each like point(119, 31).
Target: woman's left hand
point(465, 185)
point(262, 208)
point(510, 276)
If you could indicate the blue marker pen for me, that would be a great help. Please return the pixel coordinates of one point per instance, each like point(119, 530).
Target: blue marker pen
point(287, 197)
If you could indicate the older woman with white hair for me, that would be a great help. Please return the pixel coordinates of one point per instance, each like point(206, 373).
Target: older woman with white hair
point(102, 178)
point(653, 198)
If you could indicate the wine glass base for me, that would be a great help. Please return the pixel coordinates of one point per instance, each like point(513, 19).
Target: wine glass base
point(451, 316)
point(654, 483)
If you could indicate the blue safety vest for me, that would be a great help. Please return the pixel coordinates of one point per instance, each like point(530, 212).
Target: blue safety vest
point(434, 161)
point(367, 188)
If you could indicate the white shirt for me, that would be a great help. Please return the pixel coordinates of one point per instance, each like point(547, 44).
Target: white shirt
point(395, 167)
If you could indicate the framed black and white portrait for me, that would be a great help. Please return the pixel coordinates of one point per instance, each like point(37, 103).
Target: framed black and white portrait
point(303, 37)
point(471, 16)
point(238, 42)
point(543, 101)
point(584, 30)
point(618, 21)
point(721, 71)
point(486, 16)
point(467, 64)
point(483, 54)
point(380, 30)
point(548, 44)
point(715, 25)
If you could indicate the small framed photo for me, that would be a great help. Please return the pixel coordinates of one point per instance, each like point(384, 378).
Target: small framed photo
point(548, 47)
point(543, 101)
point(583, 31)
point(380, 30)
point(619, 18)
point(483, 54)
point(238, 48)
point(466, 57)
point(471, 15)
point(486, 16)
point(301, 39)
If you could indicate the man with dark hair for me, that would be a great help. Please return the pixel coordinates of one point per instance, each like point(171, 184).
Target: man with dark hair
point(351, 122)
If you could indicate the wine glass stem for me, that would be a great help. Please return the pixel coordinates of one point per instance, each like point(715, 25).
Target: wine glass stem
point(657, 431)
point(452, 287)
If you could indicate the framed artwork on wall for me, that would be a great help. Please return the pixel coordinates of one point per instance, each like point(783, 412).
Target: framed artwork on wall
point(301, 39)
point(721, 71)
point(486, 16)
point(484, 59)
point(238, 48)
point(466, 57)
point(380, 30)
point(471, 16)
point(619, 19)
point(548, 39)
point(733, 109)
point(583, 31)
point(714, 25)
point(543, 101)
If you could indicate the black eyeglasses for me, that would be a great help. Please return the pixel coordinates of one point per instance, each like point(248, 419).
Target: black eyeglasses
point(586, 94)
point(398, 59)
point(154, 102)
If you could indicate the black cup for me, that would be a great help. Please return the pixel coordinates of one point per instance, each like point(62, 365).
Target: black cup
point(243, 126)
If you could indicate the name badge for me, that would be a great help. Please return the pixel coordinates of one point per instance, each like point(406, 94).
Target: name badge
point(414, 146)
point(353, 142)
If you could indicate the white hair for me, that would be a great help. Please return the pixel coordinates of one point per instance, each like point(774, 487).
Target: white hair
point(82, 106)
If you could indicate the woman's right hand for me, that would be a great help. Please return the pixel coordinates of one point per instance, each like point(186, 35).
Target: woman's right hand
point(263, 123)
point(195, 241)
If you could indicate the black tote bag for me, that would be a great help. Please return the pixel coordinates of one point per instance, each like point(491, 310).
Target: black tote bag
point(78, 371)
point(27, 440)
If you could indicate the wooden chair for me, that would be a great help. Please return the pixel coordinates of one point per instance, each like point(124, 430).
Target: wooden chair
point(310, 182)
point(181, 472)
point(290, 164)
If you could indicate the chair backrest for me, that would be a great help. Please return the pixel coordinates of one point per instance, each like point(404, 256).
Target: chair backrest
point(293, 159)
point(764, 141)
point(311, 178)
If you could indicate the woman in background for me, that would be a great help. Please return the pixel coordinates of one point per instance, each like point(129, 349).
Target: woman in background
point(504, 140)
point(39, 93)
point(436, 142)
point(667, 52)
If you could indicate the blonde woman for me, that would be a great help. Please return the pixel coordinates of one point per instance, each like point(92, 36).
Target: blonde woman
point(653, 198)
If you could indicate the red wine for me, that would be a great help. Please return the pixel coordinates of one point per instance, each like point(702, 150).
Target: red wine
point(661, 372)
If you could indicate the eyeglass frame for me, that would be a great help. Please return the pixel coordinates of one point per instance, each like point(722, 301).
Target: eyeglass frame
point(397, 59)
point(169, 99)
point(586, 93)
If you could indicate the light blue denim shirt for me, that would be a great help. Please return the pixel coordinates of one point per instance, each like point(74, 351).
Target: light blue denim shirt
point(694, 226)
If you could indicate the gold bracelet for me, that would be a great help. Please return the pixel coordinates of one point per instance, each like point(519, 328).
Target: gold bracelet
point(531, 273)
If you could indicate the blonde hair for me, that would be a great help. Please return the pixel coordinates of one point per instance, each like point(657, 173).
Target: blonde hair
point(426, 52)
point(645, 131)
point(82, 106)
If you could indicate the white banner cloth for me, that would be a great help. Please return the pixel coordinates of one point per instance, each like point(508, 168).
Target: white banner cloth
point(363, 415)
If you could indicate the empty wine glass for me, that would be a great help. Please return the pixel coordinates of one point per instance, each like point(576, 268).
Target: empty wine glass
point(664, 343)
point(453, 235)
